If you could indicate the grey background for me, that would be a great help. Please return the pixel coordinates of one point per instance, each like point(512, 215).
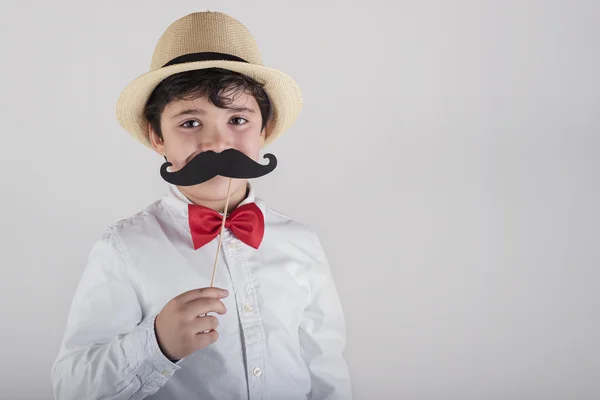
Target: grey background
point(447, 155)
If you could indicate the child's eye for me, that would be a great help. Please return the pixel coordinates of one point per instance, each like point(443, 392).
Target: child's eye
point(238, 118)
point(185, 124)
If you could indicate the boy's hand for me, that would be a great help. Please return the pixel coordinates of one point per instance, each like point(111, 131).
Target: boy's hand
point(182, 328)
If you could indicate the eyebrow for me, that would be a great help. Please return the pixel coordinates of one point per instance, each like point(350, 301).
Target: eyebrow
point(199, 111)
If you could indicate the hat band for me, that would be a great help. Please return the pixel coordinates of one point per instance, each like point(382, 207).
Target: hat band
point(203, 56)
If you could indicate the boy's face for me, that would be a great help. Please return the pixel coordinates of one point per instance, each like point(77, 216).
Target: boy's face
point(193, 126)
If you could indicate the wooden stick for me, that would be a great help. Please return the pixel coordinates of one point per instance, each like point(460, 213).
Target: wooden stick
point(212, 281)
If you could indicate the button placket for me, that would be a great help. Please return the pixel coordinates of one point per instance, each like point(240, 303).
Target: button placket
point(250, 324)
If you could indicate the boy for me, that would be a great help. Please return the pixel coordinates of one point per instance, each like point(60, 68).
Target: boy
point(142, 323)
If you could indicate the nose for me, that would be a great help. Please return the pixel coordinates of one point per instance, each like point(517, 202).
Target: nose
point(214, 141)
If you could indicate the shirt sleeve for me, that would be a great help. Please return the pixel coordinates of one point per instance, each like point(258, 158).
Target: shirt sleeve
point(109, 349)
point(323, 336)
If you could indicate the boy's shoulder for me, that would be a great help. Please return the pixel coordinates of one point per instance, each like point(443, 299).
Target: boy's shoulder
point(284, 224)
point(138, 223)
point(276, 216)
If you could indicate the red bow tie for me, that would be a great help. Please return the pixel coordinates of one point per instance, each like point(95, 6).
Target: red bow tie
point(246, 222)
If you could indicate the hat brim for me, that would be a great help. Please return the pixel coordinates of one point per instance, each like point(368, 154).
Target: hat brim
point(284, 94)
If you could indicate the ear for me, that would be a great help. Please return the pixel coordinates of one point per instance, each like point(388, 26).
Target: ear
point(157, 143)
point(263, 136)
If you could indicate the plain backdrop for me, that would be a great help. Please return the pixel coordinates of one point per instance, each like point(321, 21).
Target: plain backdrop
point(447, 155)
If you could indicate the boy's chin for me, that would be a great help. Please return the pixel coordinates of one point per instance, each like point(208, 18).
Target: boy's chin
point(215, 188)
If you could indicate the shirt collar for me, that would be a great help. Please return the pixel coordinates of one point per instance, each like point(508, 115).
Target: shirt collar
point(175, 197)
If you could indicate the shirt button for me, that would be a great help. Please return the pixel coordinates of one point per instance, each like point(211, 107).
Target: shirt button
point(166, 373)
point(257, 371)
point(248, 308)
point(232, 246)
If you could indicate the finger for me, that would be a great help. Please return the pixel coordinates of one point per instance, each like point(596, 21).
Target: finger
point(210, 292)
point(203, 324)
point(202, 340)
point(202, 306)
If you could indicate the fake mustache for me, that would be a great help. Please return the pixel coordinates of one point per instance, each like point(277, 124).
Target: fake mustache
point(206, 165)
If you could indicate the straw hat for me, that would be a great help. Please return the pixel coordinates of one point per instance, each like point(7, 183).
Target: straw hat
point(205, 40)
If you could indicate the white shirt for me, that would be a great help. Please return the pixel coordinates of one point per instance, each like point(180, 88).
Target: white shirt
point(282, 337)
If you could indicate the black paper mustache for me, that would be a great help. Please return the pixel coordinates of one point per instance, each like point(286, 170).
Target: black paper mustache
point(206, 165)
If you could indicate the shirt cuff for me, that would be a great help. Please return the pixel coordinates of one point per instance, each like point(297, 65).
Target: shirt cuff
point(144, 357)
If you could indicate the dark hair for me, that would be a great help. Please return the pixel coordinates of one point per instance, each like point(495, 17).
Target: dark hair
point(220, 85)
